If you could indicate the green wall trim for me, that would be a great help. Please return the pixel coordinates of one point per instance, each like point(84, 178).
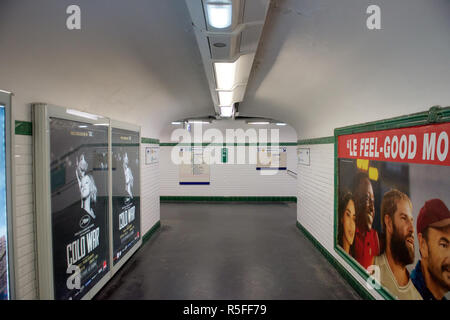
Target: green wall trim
point(231, 198)
point(322, 140)
point(205, 144)
point(435, 114)
point(363, 293)
point(150, 232)
point(23, 128)
point(149, 140)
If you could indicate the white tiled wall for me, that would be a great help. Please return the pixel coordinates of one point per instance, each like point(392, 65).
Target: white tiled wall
point(315, 200)
point(230, 179)
point(150, 191)
point(23, 220)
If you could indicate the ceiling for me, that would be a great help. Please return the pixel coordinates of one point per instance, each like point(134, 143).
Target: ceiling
point(317, 66)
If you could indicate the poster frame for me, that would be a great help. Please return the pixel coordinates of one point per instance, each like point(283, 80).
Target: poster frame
point(42, 186)
point(434, 115)
point(114, 124)
point(6, 100)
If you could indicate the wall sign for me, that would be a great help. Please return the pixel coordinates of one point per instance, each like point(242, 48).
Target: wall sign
point(126, 191)
point(304, 156)
point(385, 179)
point(196, 171)
point(151, 155)
point(272, 158)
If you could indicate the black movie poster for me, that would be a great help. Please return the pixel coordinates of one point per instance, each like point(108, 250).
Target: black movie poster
point(79, 188)
point(126, 191)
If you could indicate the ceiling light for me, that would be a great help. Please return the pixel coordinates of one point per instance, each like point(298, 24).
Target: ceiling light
point(258, 122)
point(198, 121)
point(226, 112)
point(219, 14)
point(82, 126)
point(280, 124)
point(101, 124)
point(225, 98)
point(83, 114)
point(177, 122)
point(225, 74)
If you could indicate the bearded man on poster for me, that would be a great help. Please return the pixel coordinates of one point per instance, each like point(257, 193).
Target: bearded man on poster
point(398, 226)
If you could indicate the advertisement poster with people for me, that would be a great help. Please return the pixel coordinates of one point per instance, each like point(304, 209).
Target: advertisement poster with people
point(393, 215)
point(79, 201)
point(126, 191)
point(4, 270)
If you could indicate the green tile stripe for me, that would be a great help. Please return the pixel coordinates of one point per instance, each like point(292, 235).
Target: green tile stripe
point(150, 232)
point(149, 140)
point(435, 114)
point(322, 140)
point(205, 144)
point(230, 198)
point(23, 128)
point(363, 293)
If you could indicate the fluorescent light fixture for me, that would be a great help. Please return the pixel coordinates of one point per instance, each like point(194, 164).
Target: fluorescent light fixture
point(226, 112)
point(177, 122)
point(280, 124)
point(83, 114)
point(219, 14)
point(225, 98)
point(258, 122)
point(82, 126)
point(101, 124)
point(225, 74)
point(198, 121)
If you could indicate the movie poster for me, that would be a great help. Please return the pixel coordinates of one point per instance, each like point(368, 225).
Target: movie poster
point(126, 191)
point(4, 269)
point(393, 214)
point(79, 201)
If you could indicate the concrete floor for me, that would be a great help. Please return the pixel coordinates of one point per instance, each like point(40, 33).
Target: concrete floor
point(228, 251)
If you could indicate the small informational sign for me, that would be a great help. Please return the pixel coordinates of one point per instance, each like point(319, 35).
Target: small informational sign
point(224, 155)
point(303, 155)
point(272, 158)
point(151, 155)
point(196, 171)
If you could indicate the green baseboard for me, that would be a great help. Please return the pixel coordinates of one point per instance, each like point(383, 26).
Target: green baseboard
point(363, 293)
point(224, 199)
point(150, 232)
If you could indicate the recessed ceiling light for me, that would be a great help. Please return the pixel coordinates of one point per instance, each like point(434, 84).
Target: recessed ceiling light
point(280, 124)
point(258, 122)
point(226, 112)
point(225, 98)
point(219, 14)
point(225, 74)
point(199, 121)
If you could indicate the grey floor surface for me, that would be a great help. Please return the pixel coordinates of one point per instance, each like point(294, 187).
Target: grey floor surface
point(228, 251)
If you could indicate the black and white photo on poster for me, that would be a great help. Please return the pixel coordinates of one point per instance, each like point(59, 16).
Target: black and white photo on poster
point(126, 191)
point(79, 200)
